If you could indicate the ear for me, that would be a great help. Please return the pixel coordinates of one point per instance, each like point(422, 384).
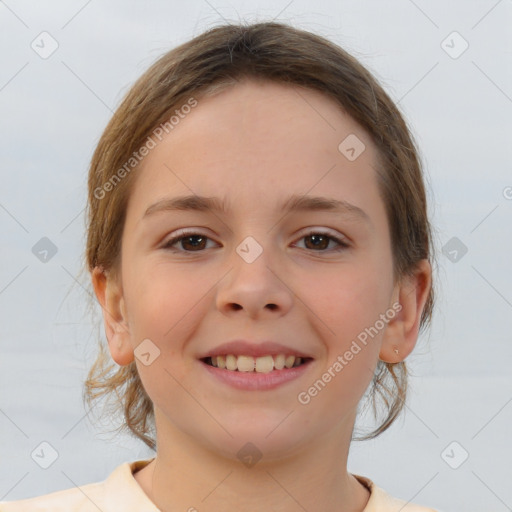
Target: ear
point(402, 331)
point(109, 295)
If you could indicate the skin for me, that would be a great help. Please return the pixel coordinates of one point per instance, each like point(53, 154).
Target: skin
point(255, 144)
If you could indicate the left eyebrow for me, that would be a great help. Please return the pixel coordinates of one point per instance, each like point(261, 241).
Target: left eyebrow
point(319, 203)
point(293, 204)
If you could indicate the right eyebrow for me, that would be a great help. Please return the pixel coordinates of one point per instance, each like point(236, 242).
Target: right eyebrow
point(191, 202)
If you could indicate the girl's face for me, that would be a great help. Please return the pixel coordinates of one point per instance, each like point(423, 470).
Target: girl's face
point(263, 261)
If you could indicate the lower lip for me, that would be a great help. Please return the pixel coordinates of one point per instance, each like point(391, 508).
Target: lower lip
point(254, 381)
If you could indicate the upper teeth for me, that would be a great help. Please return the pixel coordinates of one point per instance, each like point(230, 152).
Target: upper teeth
point(262, 364)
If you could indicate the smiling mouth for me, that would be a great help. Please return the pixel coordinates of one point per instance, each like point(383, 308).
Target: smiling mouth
point(263, 364)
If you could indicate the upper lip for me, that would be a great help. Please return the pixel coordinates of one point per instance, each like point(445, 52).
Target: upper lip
point(253, 348)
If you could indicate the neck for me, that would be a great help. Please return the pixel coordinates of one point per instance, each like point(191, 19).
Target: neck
point(188, 476)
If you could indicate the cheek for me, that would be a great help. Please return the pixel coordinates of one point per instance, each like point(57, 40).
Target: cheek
point(347, 305)
point(163, 303)
point(347, 300)
point(346, 309)
point(163, 306)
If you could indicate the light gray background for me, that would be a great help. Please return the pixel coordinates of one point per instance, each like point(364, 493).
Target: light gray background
point(52, 113)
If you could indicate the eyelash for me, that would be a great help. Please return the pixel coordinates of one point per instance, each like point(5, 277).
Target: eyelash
point(342, 245)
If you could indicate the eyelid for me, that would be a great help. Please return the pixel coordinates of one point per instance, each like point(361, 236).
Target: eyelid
point(324, 231)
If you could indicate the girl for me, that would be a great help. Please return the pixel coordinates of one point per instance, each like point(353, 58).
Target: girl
point(259, 243)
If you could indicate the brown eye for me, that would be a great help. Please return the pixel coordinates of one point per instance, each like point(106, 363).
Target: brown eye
point(187, 243)
point(317, 241)
point(322, 242)
point(193, 243)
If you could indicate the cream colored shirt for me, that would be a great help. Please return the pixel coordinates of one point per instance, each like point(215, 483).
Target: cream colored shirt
point(120, 492)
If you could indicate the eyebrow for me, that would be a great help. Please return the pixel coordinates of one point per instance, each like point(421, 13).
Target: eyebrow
point(294, 203)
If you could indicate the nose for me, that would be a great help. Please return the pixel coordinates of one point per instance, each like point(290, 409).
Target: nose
point(254, 289)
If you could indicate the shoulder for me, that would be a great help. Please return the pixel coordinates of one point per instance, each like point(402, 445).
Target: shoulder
point(74, 499)
point(381, 501)
point(119, 491)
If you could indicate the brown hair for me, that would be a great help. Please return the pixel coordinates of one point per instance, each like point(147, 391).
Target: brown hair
point(216, 59)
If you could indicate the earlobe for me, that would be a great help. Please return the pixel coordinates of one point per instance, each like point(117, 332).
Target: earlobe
point(112, 303)
point(402, 331)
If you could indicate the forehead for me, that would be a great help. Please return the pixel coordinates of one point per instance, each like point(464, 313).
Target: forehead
point(257, 142)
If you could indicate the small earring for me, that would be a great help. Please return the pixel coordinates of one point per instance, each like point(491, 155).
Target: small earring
point(396, 351)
